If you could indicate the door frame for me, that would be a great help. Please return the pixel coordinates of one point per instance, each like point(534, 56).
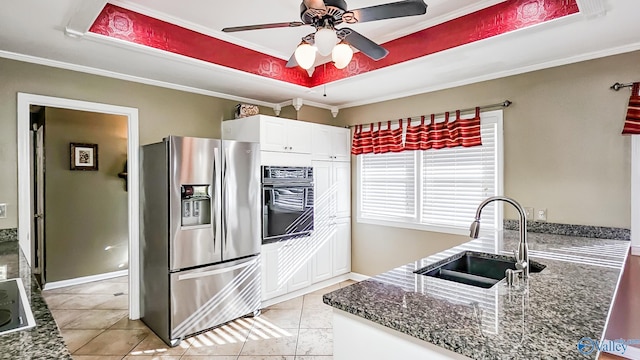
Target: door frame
point(133, 177)
point(635, 194)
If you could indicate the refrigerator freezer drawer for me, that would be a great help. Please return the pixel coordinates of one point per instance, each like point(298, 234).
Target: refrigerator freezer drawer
point(210, 296)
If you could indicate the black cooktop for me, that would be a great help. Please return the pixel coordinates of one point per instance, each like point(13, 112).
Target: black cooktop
point(15, 311)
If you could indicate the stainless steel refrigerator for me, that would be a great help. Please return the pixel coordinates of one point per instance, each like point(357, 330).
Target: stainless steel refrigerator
point(200, 234)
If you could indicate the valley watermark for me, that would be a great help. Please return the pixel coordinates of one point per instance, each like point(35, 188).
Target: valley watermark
point(587, 345)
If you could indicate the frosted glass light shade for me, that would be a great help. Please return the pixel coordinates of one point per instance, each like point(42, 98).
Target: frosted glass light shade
point(305, 56)
point(341, 55)
point(325, 40)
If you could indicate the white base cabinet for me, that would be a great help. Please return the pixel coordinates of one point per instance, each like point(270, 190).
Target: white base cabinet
point(334, 256)
point(286, 267)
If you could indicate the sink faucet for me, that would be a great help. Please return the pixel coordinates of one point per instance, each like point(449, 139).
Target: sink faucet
point(522, 253)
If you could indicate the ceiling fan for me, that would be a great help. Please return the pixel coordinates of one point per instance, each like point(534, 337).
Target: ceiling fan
point(324, 16)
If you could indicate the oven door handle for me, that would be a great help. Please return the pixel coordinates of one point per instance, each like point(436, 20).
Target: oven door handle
point(290, 185)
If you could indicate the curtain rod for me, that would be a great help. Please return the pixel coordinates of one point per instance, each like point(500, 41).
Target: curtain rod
point(503, 104)
point(617, 86)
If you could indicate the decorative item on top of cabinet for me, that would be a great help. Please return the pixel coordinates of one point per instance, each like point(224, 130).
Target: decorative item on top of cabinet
point(244, 110)
point(331, 143)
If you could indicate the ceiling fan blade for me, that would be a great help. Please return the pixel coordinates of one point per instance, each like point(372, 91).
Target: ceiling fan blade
point(292, 61)
point(314, 4)
point(362, 43)
point(263, 26)
point(389, 11)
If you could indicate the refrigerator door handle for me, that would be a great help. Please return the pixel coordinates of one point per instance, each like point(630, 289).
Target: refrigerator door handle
point(215, 272)
point(217, 192)
point(224, 204)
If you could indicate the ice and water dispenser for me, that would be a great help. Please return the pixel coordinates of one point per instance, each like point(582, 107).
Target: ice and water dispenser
point(196, 205)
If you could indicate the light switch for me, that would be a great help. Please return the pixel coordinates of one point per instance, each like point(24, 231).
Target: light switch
point(3, 211)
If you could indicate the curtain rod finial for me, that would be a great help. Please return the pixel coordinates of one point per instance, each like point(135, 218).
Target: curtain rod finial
point(507, 103)
point(616, 86)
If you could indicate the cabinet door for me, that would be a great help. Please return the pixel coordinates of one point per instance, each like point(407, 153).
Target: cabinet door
point(342, 248)
point(342, 181)
point(324, 195)
point(322, 259)
point(341, 143)
point(272, 285)
point(273, 134)
point(322, 142)
point(301, 279)
point(298, 137)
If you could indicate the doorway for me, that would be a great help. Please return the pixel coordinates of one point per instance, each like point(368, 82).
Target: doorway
point(26, 191)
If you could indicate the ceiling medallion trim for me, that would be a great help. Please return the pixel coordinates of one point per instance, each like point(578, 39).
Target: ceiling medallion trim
point(123, 24)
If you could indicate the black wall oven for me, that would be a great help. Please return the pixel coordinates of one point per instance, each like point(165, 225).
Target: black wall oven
point(287, 202)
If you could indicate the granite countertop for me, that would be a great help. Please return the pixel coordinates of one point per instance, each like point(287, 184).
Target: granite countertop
point(570, 299)
point(44, 340)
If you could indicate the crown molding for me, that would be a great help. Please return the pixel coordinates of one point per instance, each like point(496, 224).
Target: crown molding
point(115, 75)
point(500, 74)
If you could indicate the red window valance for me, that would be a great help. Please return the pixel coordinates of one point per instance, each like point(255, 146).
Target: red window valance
point(422, 136)
point(632, 122)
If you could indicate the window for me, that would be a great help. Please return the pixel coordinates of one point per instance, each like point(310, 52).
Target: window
point(435, 190)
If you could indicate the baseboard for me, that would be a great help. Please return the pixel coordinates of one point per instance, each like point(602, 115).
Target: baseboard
point(635, 250)
point(632, 353)
point(305, 291)
point(358, 277)
point(85, 279)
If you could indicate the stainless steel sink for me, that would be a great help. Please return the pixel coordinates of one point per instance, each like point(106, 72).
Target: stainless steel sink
point(475, 268)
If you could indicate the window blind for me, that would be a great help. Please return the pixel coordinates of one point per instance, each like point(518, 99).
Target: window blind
point(434, 189)
point(456, 180)
point(388, 185)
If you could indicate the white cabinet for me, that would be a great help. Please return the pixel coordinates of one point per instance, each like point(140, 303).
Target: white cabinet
point(334, 256)
point(332, 189)
point(271, 287)
point(273, 134)
point(332, 215)
point(286, 267)
point(322, 259)
point(342, 247)
point(331, 143)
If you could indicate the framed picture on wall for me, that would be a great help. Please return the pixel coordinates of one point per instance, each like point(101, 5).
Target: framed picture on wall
point(84, 157)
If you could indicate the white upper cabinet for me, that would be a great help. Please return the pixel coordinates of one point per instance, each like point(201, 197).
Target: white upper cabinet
point(274, 134)
point(331, 143)
point(299, 136)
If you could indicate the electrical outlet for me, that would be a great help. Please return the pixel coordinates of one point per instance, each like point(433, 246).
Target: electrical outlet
point(3, 211)
point(529, 213)
point(541, 215)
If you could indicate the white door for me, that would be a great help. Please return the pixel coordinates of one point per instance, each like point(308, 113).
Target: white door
point(341, 143)
point(299, 137)
point(272, 286)
point(323, 197)
point(342, 248)
point(322, 142)
point(273, 134)
point(38, 216)
point(342, 181)
point(322, 262)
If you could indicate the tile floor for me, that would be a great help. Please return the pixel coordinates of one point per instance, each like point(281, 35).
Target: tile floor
point(93, 321)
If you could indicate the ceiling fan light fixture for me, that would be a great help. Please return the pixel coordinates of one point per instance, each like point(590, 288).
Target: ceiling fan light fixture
point(342, 55)
point(325, 39)
point(305, 55)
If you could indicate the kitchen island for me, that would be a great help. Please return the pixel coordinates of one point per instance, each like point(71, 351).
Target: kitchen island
point(400, 314)
point(44, 340)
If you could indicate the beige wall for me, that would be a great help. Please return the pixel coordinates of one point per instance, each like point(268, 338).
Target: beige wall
point(563, 151)
point(162, 112)
point(85, 211)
